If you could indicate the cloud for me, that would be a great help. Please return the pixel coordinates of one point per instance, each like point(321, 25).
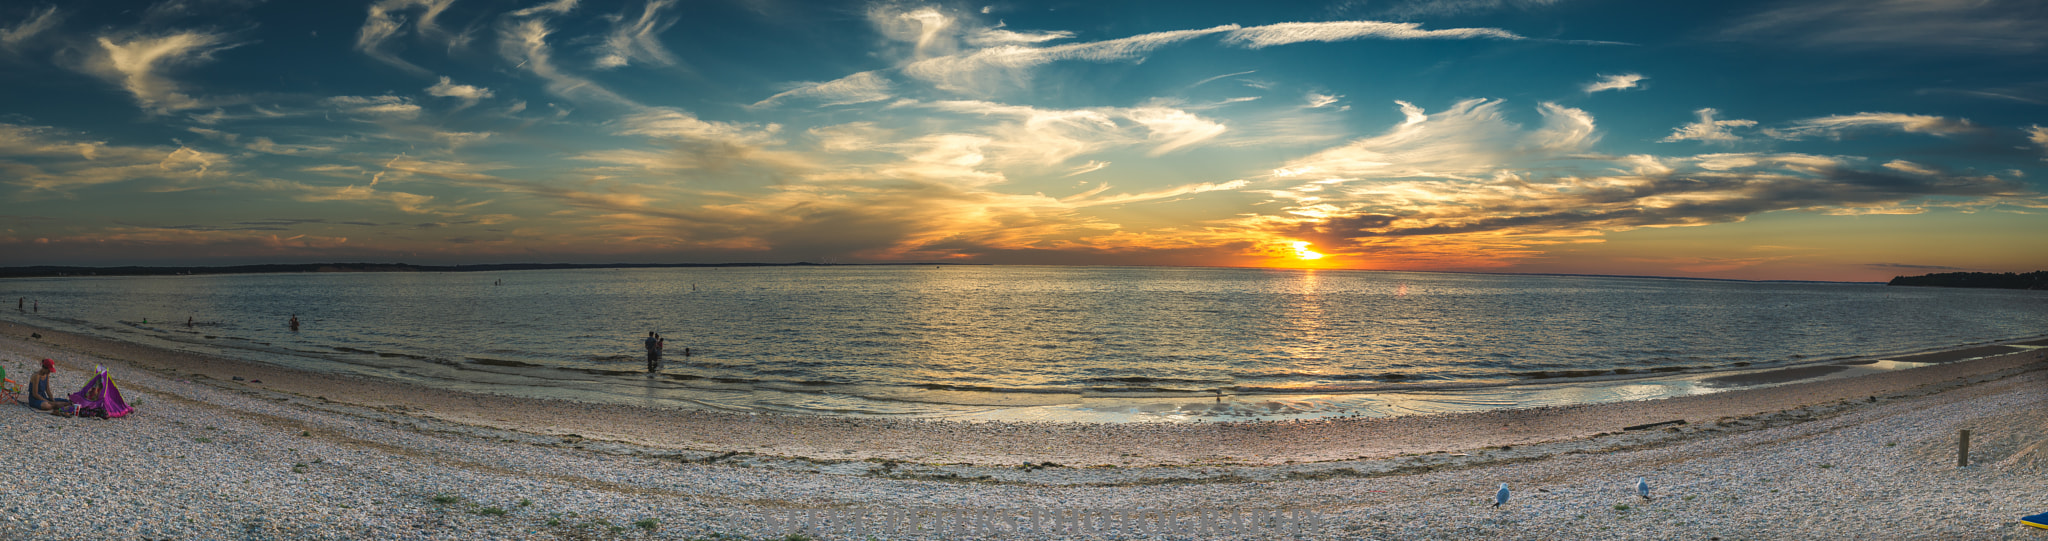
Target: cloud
point(1086, 168)
point(38, 21)
point(2039, 136)
point(997, 36)
point(637, 39)
point(375, 106)
point(996, 58)
point(1614, 82)
point(1259, 37)
point(1834, 126)
point(1472, 137)
point(43, 160)
point(524, 42)
point(1319, 100)
point(1565, 129)
point(138, 65)
point(1909, 267)
point(1707, 129)
point(930, 32)
point(468, 94)
point(1092, 198)
point(1036, 136)
point(670, 123)
point(863, 87)
point(558, 7)
point(985, 69)
point(1413, 8)
point(1514, 212)
point(1973, 26)
point(386, 20)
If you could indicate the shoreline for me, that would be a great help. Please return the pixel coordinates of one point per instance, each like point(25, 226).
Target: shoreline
point(313, 456)
point(957, 441)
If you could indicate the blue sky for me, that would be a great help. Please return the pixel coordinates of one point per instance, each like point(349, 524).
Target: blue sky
point(1834, 140)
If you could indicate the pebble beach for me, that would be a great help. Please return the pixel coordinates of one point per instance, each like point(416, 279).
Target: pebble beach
point(222, 449)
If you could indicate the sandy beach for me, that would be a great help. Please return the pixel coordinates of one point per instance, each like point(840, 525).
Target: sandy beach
point(222, 449)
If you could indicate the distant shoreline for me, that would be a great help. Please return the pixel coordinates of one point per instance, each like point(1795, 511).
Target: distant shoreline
point(49, 271)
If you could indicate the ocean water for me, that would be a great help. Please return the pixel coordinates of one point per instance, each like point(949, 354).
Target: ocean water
point(1021, 342)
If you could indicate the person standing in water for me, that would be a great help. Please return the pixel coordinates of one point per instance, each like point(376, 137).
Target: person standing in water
point(653, 352)
point(295, 323)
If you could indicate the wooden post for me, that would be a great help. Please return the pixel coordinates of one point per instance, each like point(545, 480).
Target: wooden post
point(1963, 449)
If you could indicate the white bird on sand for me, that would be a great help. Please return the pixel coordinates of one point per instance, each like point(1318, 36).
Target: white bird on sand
point(1643, 488)
point(1502, 496)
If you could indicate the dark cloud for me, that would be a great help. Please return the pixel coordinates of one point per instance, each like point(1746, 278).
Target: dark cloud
point(1693, 197)
point(1903, 266)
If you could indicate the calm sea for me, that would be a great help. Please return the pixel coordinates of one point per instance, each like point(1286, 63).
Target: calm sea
point(1065, 343)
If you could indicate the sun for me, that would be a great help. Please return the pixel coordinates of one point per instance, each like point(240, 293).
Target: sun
point(1302, 252)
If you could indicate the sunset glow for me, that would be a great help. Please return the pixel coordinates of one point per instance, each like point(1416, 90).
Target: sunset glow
point(1748, 140)
point(1301, 251)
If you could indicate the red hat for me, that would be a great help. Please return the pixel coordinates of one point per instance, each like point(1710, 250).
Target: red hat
point(49, 365)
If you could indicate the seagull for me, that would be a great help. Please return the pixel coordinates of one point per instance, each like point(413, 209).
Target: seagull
point(1502, 496)
point(1643, 488)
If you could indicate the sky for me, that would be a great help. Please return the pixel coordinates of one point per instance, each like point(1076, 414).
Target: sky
point(1850, 140)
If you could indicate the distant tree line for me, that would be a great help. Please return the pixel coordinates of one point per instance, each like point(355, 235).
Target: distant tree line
point(2011, 280)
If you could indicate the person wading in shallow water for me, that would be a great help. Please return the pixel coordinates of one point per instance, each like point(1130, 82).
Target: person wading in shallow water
point(295, 322)
point(654, 343)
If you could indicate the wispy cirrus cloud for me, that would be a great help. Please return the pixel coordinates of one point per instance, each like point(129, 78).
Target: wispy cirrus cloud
point(1039, 136)
point(1972, 26)
point(1708, 129)
point(1472, 137)
point(638, 39)
point(1004, 59)
point(14, 38)
point(863, 87)
point(1259, 37)
point(2038, 135)
point(139, 64)
point(1623, 81)
point(469, 95)
point(1415, 8)
point(375, 106)
point(998, 36)
point(1834, 126)
point(387, 20)
point(524, 42)
point(984, 69)
point(43, 161)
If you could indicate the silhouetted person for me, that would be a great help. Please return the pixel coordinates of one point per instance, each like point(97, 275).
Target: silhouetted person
point(188, 321)
point(653, 352)
point(295, 322)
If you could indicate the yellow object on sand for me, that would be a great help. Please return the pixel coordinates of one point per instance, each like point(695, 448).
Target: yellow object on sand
point(2037, 521)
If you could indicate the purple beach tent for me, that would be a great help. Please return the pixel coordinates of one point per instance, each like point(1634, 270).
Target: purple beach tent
point(101, 394)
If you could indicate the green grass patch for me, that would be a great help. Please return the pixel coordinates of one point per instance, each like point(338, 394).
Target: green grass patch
point(203, 439)
point(446, 498)
point(1620, 507)
point(492, 511)
point(648, 524)
point(523, 502)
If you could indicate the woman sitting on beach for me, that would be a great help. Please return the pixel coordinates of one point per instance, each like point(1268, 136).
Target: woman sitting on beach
point(39, 396)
